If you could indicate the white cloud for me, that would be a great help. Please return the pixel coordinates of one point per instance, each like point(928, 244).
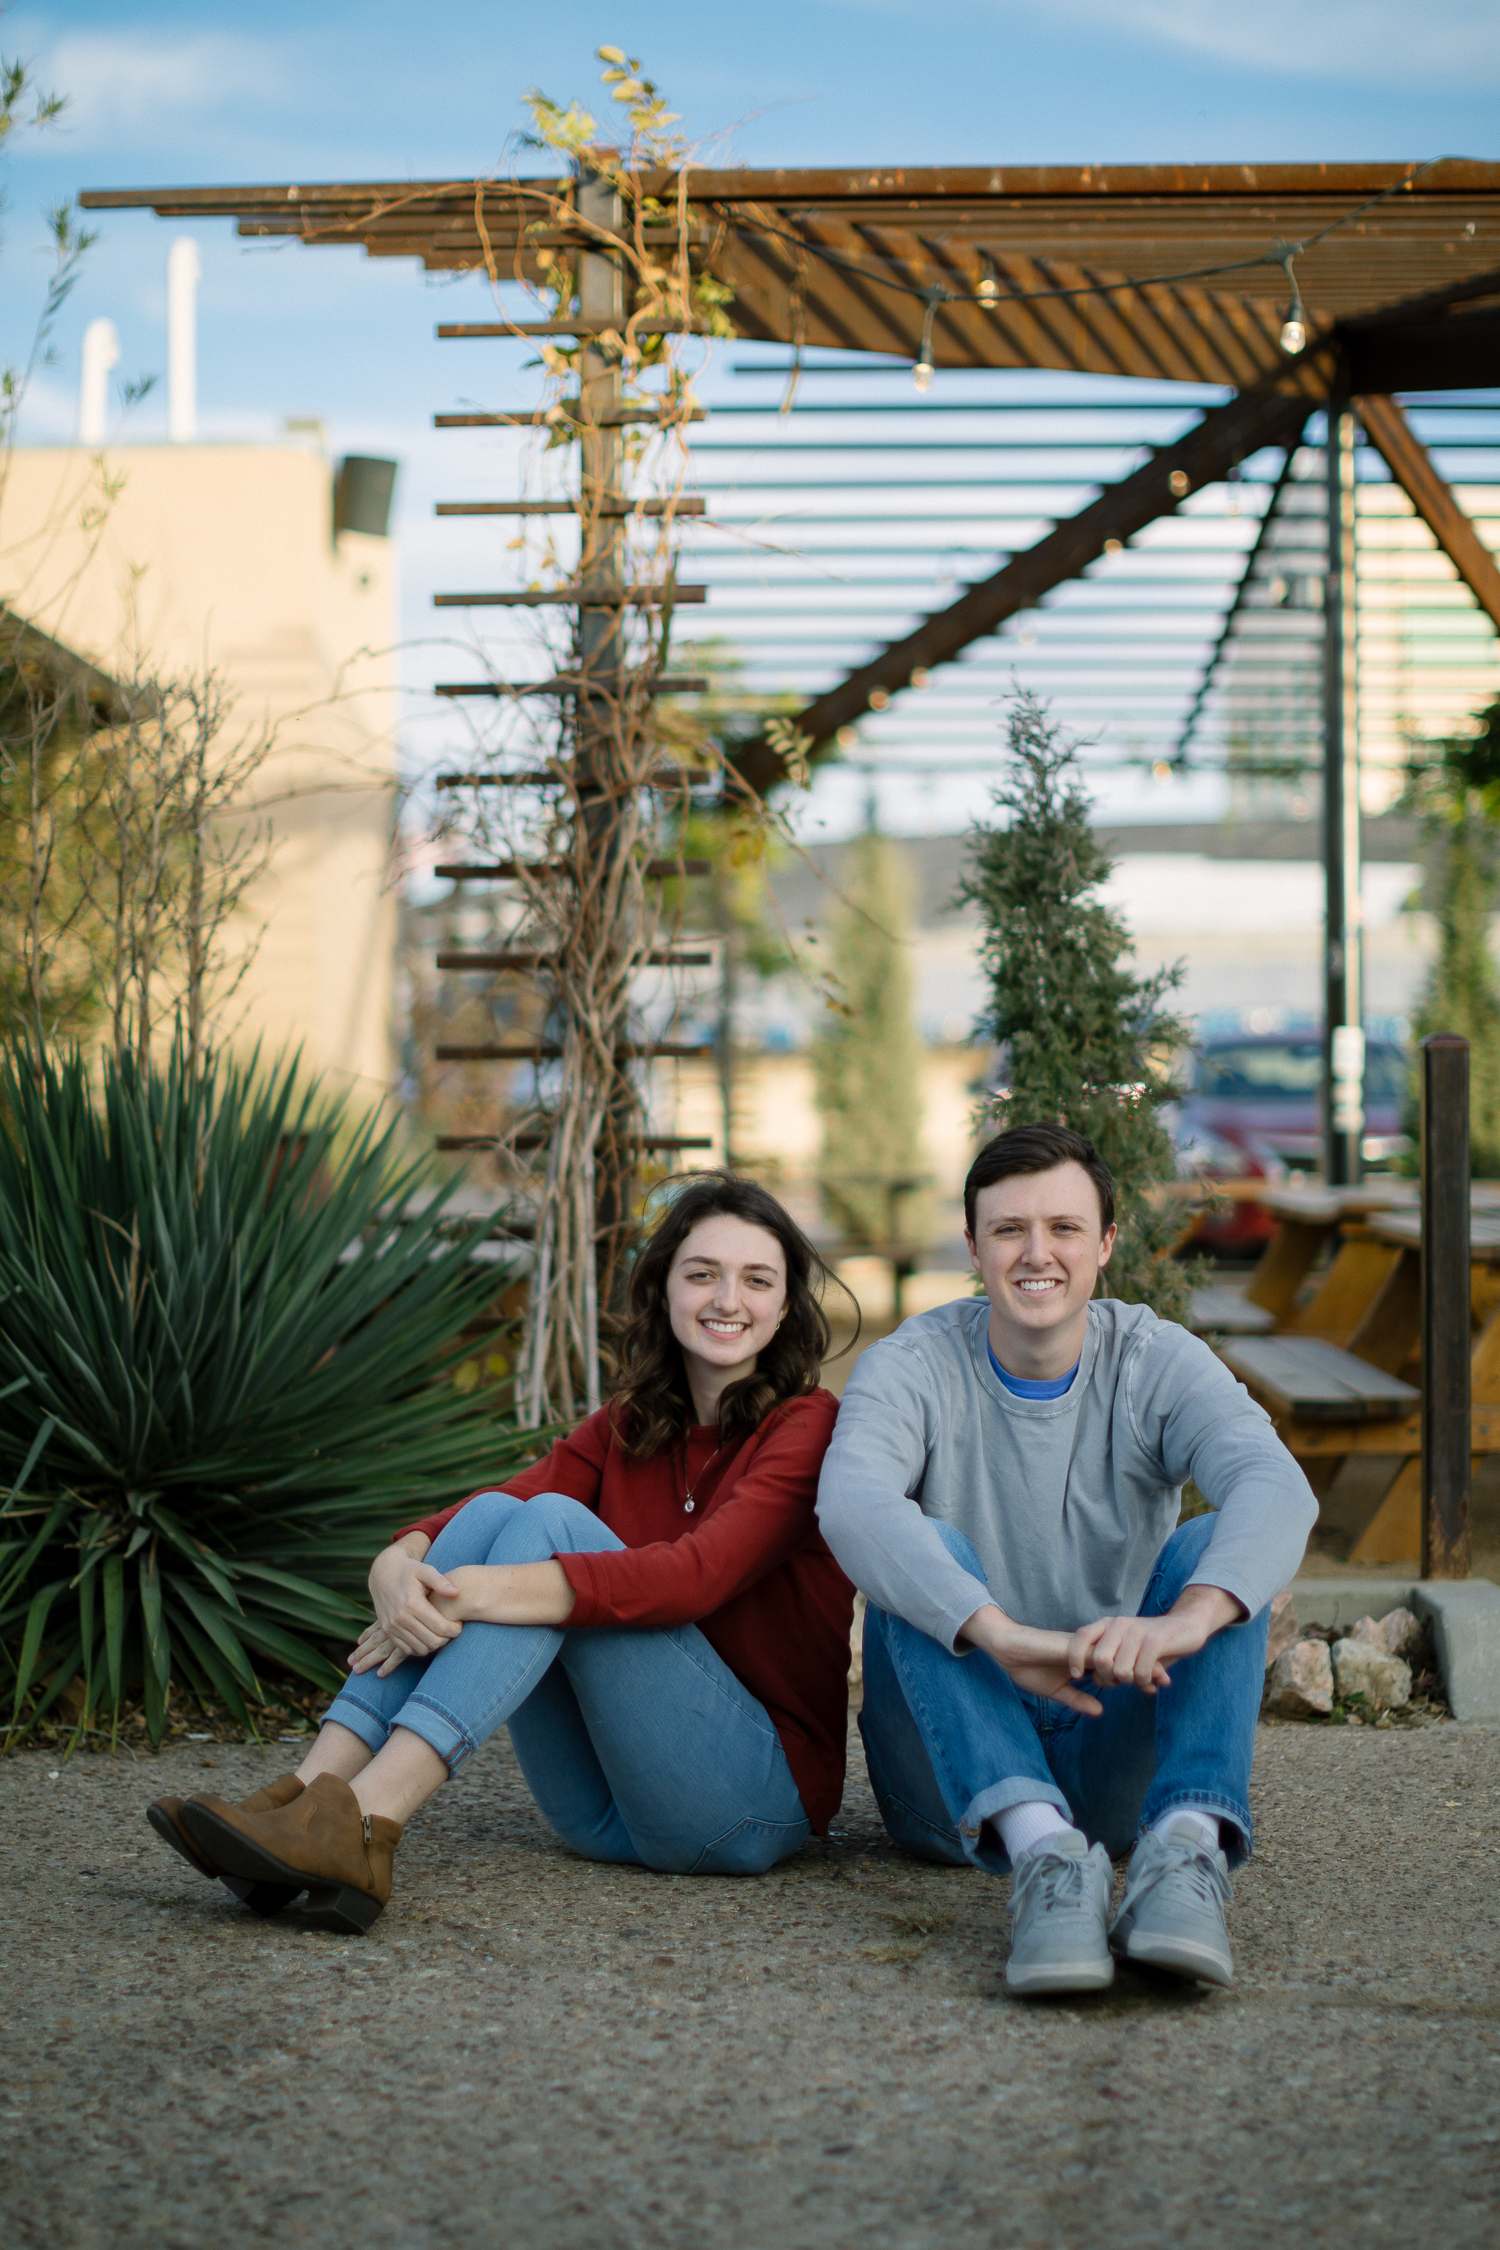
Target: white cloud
point(123, 87)
point(1451, 45)
point(1447, 43)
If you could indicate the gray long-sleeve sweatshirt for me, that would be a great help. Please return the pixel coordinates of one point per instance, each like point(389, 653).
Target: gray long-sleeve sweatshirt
point(1068, 1501)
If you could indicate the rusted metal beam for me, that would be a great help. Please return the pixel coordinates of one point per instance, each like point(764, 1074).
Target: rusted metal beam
point(1226, 435)
point(1412, 466)
point(671, 507)
point(634, 597)
point(1446, 1374)
point(509, 958)
point(578, 683)
point(515, 870)
point(507, 1050)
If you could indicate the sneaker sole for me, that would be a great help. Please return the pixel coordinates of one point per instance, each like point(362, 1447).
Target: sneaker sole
point(1179, 1957)
point(1059, 1976)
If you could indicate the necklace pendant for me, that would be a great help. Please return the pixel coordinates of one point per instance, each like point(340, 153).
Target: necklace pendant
point(687, 1507)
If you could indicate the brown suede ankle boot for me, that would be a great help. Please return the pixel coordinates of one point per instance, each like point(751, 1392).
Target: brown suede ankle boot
point(165, 1816)
point(321, 1843)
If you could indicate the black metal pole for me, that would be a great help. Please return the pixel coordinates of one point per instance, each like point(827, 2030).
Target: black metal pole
point(1446, 1435)
point(1343, 1022)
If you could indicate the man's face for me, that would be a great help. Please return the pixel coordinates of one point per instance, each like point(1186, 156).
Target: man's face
point(1038, 1247)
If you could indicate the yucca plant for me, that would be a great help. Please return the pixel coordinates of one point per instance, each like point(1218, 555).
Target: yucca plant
point(226, 1360)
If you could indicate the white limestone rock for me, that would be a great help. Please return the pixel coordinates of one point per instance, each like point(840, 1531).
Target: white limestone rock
point(1362, 1668)
point(1398, 1632)
point(1284, 1628)
point(1301, 1683)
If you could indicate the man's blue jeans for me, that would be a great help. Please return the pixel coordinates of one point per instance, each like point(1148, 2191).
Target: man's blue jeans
point(640, 1747)
point(952, 1741)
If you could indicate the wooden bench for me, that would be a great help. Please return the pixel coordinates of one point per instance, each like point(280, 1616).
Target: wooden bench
point(1386, 1344)
point(1303, 1379)
point(1218, 1310)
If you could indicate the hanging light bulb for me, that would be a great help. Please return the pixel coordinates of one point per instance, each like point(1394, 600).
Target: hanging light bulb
point(988, 291)
point(1294, 327)
point(921, 373)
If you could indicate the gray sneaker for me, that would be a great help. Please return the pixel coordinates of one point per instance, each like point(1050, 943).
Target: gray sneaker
point(1172, 1914)
point(1059, 1916)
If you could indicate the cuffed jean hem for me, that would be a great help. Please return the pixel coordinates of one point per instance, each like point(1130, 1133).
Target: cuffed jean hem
point(1001, 1796)
point(436, 1729)
point(440, 1732)
point(1237, 1814)
point(345, 1711)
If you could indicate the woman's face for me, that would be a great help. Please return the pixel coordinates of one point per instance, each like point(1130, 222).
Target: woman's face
point(726, 1292)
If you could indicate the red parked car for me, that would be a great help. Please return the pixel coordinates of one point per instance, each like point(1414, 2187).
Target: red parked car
point(1253, 1111)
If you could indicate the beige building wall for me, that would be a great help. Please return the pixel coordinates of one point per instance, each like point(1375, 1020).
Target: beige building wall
point(184, 557)
point(777, 1121)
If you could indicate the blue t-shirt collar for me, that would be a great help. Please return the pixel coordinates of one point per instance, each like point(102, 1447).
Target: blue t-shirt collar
point(1020, 1387)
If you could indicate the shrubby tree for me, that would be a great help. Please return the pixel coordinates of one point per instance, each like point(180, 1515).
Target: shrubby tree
point(1456, 787)
point(867, 1060)
point(1085, 1040)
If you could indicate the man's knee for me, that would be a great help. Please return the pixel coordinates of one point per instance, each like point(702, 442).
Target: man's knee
point(959, 1546)
point(881, 1624)
point(1177, 1561)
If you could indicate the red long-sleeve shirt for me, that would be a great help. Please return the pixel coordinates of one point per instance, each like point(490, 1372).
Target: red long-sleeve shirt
point(747, 1566)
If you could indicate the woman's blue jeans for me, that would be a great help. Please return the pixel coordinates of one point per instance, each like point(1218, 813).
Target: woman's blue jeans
point(952, 1741)
point(640, 1747)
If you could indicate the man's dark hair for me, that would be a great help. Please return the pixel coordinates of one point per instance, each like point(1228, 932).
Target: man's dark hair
point(1038, 1148)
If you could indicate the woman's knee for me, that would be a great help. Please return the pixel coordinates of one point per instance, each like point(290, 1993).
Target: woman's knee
point(474, 1530)
point(568, 1524)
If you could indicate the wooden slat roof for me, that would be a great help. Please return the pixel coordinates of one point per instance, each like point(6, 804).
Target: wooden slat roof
point(1166, 271)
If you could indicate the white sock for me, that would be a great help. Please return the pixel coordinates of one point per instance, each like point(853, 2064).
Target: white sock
point(1023, 1827)
point(1205, 1822)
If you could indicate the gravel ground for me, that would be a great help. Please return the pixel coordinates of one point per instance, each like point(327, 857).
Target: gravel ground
point(531, 2049)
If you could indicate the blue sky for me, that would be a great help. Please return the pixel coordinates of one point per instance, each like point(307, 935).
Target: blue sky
point(165, 92)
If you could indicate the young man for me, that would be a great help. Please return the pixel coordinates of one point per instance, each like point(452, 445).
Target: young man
point(1052, 1671)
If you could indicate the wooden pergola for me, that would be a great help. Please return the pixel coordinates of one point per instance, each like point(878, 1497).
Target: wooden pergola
point(1300, 288)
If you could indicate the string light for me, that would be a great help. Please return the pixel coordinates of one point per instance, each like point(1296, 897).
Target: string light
point(988, 291)
point(1294, 327)
point(921, 373)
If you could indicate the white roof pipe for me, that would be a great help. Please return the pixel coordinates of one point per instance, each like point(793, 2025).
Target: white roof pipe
point(101, 352)
point(184, 272)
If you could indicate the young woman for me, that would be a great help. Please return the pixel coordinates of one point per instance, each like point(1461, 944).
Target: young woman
point(650, 1608)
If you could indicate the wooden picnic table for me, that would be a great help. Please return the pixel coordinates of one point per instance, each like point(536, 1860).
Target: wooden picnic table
point(1310, 1219)
point(1334, 1395)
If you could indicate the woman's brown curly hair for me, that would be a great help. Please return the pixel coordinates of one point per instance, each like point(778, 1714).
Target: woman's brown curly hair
point(653, 1405)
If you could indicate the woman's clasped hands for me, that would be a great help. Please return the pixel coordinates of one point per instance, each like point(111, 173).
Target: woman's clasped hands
point(406, 1621)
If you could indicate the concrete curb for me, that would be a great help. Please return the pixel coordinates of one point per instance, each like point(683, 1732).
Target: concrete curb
point(1465, 1617)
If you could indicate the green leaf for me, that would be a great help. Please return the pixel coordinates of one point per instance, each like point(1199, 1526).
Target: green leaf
point(31, 1640)
point(221, 1626)
point(218, 1674)
point(158, 1644)
point(114, 1624)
